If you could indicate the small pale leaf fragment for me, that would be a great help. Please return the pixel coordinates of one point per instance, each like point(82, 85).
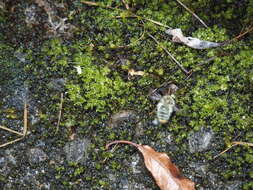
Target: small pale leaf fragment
point(178, 37)
point(132, 72)
point(78, 69)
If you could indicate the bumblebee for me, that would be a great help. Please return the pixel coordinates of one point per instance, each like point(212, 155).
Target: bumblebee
point(165, 107)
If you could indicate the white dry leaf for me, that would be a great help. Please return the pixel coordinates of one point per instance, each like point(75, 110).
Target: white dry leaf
point(78, 69)
point(132, 72)
point(177, 36)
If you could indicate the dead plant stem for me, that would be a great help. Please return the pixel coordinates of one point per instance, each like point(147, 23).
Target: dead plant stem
point(172, 57)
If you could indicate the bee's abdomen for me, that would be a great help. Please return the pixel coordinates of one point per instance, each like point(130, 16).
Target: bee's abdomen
point(165, 109)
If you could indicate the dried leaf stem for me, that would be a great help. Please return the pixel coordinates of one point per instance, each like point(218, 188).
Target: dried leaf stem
point(244, 33)
point(238, 36)
point(172, 57)
point(25, 129)
point(122, 142)
point(234, 143)
point(25, 119)
point(189, 10)
point(11, 142)
point(91, 3)
point(59, 115)
point(10, 130)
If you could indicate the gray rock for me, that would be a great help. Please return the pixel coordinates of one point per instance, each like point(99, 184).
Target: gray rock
point(2, 162)
point(124, 184)
point(135, 164)
point(200, 168)
point(9, 156)
point(76, 151)
point(112, 177)
point(121, 116)
point(201, 140)
point(217, 184)
point(36, 155)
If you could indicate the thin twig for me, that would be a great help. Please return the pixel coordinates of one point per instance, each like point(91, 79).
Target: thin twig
point(25, 119)
point(156, 22)
point(23, 134)
point(196, 16)
point(235, 143)
point(10, 130)
point(224, 151)
point(91, 3)
point(244, 33)
point(132, 15)
point(11, 142)
point(172, 57)
point(238, 36)
point(59, 115)
point(242, 143)
point(144, 18)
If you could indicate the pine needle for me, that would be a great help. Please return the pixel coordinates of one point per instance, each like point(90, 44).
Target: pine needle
point(172, 57)
point(25, 129)
point(189, 10)
point(60, 113)
point(234, 143)
point(132, 15)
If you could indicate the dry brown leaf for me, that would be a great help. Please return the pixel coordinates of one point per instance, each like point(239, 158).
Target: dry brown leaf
point(165, 173)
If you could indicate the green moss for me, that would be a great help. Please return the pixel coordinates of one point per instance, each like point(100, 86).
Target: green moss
point(218, 94)
point(97, 89)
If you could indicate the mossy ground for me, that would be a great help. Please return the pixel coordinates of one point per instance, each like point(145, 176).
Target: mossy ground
point(218, 94)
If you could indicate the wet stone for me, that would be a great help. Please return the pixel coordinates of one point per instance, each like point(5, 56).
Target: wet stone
point(31, 179)
point(217, 184)
point(124, 184)
point(36, 155)
point(2, 162)
point(112, 177)
point(76, 151)
point(200, 168)
point(7, 162)
point(201, 140)
point(138, 186)
point(121, 117)
point(4, 168)
point(56, 156)
point(135, 164)
point(9, 156)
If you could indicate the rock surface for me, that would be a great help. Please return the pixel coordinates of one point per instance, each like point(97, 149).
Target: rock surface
point(36, 155)
point(201, 140)
point(76, 151)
